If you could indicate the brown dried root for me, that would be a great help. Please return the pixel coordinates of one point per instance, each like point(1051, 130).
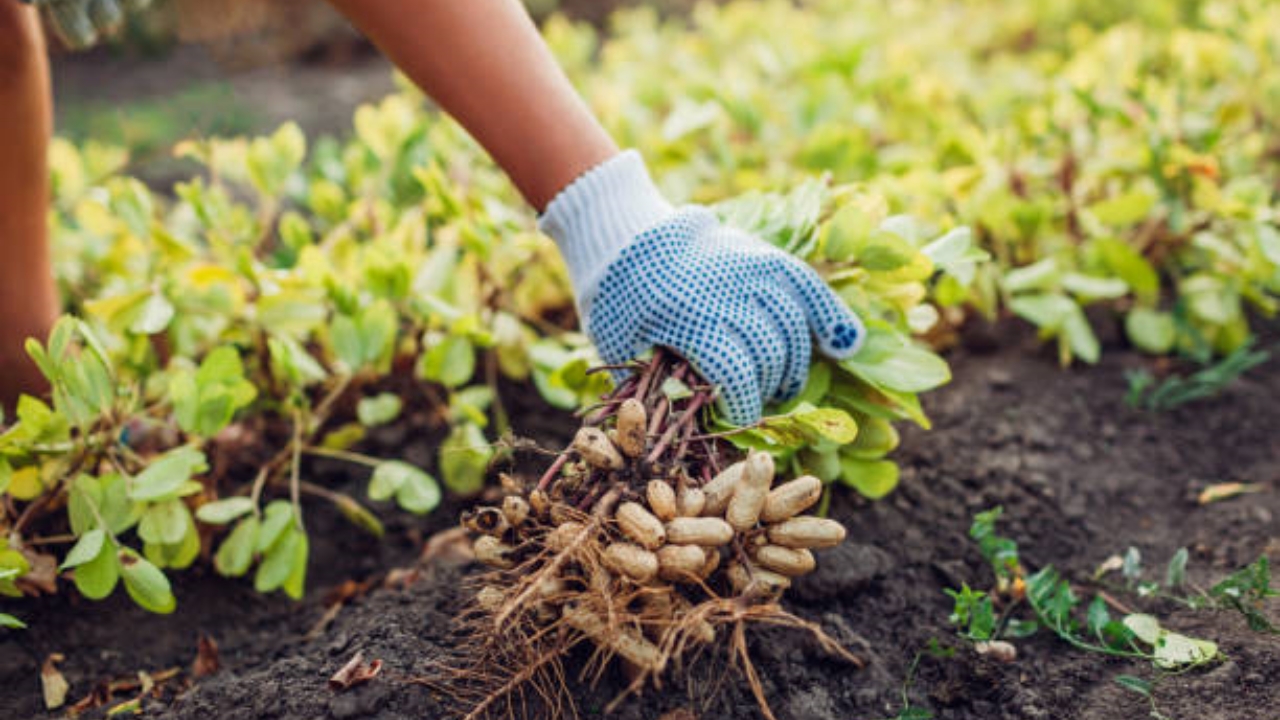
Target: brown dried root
point(641, 541)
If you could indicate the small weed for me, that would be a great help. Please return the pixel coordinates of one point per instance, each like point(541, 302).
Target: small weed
point(1146, 394)
point(1056, 606)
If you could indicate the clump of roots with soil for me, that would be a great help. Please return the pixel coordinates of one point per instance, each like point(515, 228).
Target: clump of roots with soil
point(648, 538)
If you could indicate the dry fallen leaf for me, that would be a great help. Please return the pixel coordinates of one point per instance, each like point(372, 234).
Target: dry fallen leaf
point(52, 682)
point(355, 672)
point(43, 575)
point(1111, 564)
point(1223, 491)
point(448, 547)
point(207, 662)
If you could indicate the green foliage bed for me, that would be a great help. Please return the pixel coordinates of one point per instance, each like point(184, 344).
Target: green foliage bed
point(1097, 159)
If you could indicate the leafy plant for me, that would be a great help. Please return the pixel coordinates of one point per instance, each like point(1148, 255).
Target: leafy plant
point(839, 427)
point(1055, 606)
point(1115, 161)
point(275, 306)
point(1175, 390)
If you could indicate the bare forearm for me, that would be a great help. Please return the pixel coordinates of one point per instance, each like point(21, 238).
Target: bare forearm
point(28, 301)
point(484, 62)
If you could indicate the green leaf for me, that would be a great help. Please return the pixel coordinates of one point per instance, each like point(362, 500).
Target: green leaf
point(83, 500)
point(1044, 311)
point(1126, 263)
point(674, 389)
point(1136, 684)
point(292, 363)
point(1080, 337)
point(876, 438)
point(11, 622)
point(414, 490)
point(295, 584)
point(164, 523)
point(1176, 572)
point(278, 563)
point(1150, 330)
point(235, 555)
point(88, 547)
point(950, 248)
point(464, 459)
point(1097, 618)
point(359, 515)
point(1124, 209)
point(1145, 627)
point(1090, 287)
point(277, 516)
point(419, 493)
point(1041, 275)
point(154, 315)
point(449, 360)
point(221, 512)
point(167, 474)
point(874, 479)
point(892, 362)
point(145, 583)
point(379, 409)
point(1173, 650)
point(806, 425)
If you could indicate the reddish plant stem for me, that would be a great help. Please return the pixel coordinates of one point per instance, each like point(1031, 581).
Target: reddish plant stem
point(590, 497)
point(690, 412)
point(552, 471)
point(642, 385)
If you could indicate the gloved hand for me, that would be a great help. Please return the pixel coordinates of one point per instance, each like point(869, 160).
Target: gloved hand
point(645, 274)
point(81, 23)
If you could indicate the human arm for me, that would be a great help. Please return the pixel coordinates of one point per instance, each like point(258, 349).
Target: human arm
point(644, 273)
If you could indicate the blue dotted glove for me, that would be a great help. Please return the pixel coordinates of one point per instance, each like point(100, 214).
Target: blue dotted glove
point(81, 23)
point(742, 311)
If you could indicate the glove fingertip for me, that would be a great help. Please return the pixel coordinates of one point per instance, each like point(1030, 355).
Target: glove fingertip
point(843, 337)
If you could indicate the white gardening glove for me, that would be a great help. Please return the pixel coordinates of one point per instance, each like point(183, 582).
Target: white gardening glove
point(81, 23)
point(740, 310)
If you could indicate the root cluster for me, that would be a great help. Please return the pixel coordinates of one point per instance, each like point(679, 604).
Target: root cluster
point(646, 540)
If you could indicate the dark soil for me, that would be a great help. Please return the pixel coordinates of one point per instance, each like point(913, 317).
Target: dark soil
point(1081, 477)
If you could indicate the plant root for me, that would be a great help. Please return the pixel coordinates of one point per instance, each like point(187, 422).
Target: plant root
point(639, 543)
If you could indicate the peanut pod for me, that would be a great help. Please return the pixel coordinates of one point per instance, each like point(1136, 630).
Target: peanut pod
point(690, 501)
point(708, 531)
point(492, 551)
point(631, 560)
point(721, 489)
point(748, 500)
point(632, 426)
point(540, 503)
point(595, 447)
point(662, 499)
point(807, 531)
point(791, 562)
point(564, 536)
point(680, 563)
point(753, 579)
point(791, 498)
point(640, 525)
point(490, 598)
point(516, 509)
point(713, 562)
point(628, 643)
point(486, 520)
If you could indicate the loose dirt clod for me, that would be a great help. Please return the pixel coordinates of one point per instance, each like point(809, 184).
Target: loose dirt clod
point(643, 556)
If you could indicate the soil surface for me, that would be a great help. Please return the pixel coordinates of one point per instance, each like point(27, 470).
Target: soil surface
point(1081, 477)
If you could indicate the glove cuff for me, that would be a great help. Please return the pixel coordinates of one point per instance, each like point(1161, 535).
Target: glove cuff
point(600, 213)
